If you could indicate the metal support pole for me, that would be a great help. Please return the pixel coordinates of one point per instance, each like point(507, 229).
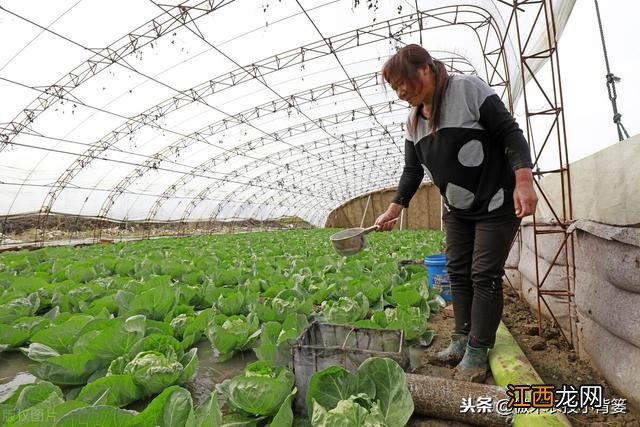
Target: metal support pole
point(551, 89)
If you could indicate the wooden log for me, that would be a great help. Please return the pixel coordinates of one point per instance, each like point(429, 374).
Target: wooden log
point(442, 398)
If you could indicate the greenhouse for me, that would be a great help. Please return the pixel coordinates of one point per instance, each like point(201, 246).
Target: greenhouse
point(318, 213)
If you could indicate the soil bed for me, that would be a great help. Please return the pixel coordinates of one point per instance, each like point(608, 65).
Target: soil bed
point(549, 354)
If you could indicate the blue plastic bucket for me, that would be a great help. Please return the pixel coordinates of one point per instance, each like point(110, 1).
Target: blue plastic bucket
point(437, 273)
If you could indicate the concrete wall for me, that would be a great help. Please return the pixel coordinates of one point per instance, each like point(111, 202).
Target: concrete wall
point(423, 212)
point(605, 309)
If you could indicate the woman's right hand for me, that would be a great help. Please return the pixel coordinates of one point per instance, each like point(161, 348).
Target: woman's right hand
point(385, 221)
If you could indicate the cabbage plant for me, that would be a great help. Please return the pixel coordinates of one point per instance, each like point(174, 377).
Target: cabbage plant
point(260, 390)
point(375, 395)
point(229, 335)
point(346, 310)
point(357, 410)
point(153, 371)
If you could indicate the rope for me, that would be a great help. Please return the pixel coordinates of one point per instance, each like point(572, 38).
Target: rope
point(612, 79)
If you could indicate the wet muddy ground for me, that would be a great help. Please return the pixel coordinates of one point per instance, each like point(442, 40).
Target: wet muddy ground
point(14, 365)
point(13, 372)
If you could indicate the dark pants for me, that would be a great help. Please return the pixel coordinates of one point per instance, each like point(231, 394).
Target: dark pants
point(476, 253)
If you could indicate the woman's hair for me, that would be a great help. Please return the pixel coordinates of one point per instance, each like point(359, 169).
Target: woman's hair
point(404, 65)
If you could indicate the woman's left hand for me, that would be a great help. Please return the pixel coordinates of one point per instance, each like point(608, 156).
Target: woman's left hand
point(525, 198)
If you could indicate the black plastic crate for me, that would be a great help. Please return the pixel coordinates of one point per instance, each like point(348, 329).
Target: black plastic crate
point(324, 344)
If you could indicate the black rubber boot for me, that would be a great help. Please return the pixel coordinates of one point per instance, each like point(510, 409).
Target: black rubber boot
point(454, 352)
point(473, 366)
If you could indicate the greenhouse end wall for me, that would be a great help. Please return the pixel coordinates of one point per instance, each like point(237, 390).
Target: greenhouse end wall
point(604, 310)
point(424, 210)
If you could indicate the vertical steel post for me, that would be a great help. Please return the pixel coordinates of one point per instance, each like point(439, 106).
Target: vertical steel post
point(561, 209)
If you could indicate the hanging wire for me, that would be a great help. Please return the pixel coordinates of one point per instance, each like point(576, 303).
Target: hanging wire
point(258, 76)
point(38, 35)
point(90, 156)
point(127, 192)
point(611, 84)
point(158, 167)
point(332, 50)
point(127, 66)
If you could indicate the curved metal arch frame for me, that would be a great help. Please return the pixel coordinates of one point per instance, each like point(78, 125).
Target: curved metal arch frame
point(172, 18)
point(104, 211)
point(354, 38)
point(373, 185)
point(226, 154)
point(185, 178)
point(205, 165)
point(270, 107)
point(202, 194)
point(271, 197)
point(152, 214)
point(379, 152)
point(341, 199)
point(289, 180)
point(285, 183)
point(196, 200)
point(364, 111)
point(376, 184)
point(213, 129)
point(377, 180)
point(228, 199)
point(302, 128)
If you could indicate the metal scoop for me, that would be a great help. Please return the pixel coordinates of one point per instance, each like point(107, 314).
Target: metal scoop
point(351, 241)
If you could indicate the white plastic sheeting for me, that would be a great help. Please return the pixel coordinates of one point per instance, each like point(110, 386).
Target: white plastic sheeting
point(217, 109)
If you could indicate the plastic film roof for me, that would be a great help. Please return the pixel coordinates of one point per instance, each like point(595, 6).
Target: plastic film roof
point(222, 109)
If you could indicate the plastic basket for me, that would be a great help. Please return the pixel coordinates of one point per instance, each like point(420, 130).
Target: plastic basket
point(324, 344)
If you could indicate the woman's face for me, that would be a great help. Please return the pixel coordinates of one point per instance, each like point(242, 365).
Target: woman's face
point(415, 94)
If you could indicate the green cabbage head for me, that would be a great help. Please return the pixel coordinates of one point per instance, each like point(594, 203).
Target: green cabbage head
point(153, 371)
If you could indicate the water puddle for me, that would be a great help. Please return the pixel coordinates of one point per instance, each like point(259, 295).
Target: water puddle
point(13, 373)
point(211, 372)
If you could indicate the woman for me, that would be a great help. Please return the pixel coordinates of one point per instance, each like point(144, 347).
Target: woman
point(460, 135)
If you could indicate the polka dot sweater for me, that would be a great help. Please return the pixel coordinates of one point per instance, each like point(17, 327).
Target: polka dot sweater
point(472, 156)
